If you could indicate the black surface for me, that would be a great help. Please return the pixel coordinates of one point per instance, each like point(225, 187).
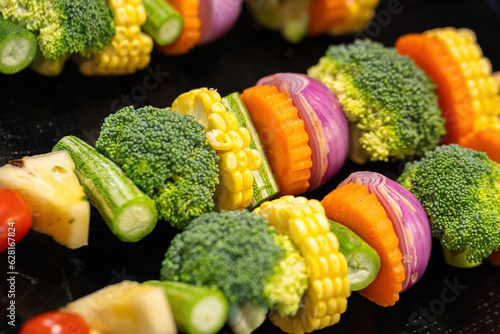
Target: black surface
point(36, 111)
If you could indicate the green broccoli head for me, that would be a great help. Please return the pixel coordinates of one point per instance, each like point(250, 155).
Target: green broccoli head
point(64, 27)
point(460, 191)
point(167, 156)
point(386, 96)
point(239, 254)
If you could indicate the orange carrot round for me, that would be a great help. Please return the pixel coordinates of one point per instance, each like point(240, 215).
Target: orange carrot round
point(190, 34)
point(283, 136)
point(323, 14)
point(487, 140)
point(432, 55)
point(353, 206)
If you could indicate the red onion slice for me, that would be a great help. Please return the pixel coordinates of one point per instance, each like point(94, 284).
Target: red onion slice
point(408, 218)
point(325, 122)
point(217, 18)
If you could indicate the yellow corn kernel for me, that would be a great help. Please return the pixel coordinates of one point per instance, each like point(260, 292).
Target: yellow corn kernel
point(229, 201)
point(123, 48)
point(103, 59)
point(143, 61)
point(146, 44)
point(123, 61)
point(247, 178)
point(217, 108)
point(215, 95)
point(323, 268)
point(135, 49)
point(219, 140)
point(140, 17)
point(115, 4)
point(245, 136)
point(202, 104)
point(133, 31)
point(232, 181)
point(183, 103)
point(231, 121)
point(131, 14)
point(331, 307)
point(114, 62)
point(121, 33)
point(237, 142)
point(326, 297)
point(242, 160)
point(228, 162)
point(310, 246)
point(216, 122)
point(254, 159)
point(297, 230)
point(246, 197)
point(121, 18)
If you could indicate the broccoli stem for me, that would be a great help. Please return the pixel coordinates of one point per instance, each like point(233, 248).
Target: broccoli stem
point(458, 258)
point(356, 152)
point(245, 318)
point(48, 67)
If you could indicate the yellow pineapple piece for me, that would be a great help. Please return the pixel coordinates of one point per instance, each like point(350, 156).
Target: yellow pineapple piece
point(126, 308)
point(51, 189)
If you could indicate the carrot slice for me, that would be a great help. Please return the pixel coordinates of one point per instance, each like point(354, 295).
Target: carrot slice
point(486, 140)
point(353, 206)
point(190, 34)
point(283, 136)
point(324, 14)
point(433, 56)
point(495, 258)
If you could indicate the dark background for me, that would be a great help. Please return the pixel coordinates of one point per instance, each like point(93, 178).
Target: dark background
point(36, 111)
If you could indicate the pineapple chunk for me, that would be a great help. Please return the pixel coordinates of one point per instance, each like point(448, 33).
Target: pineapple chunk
point(51, 189)
point(126, 308)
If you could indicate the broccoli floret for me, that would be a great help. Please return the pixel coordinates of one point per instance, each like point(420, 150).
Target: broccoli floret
point(64, 27)
point(167, 156)
point(239, 254)
point(389, 101)
point(460, 191)
point(284, 288)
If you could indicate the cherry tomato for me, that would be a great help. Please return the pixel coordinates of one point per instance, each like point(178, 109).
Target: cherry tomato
point(15, 218)
point(55, 322)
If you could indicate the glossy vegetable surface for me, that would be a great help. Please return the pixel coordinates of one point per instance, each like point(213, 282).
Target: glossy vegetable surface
point(408, 218)
point(324, 121)
point(15, 218)
point(55, 322)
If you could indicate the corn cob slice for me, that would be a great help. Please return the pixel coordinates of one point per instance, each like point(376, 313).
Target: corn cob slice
point(435, 59)
point(236, 162)
point(482, 87)
point(326, 297)
point(360, 13)
point(130, 48)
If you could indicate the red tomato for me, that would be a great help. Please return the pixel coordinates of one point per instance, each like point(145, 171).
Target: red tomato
point(15, 218)
point(55, 322)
